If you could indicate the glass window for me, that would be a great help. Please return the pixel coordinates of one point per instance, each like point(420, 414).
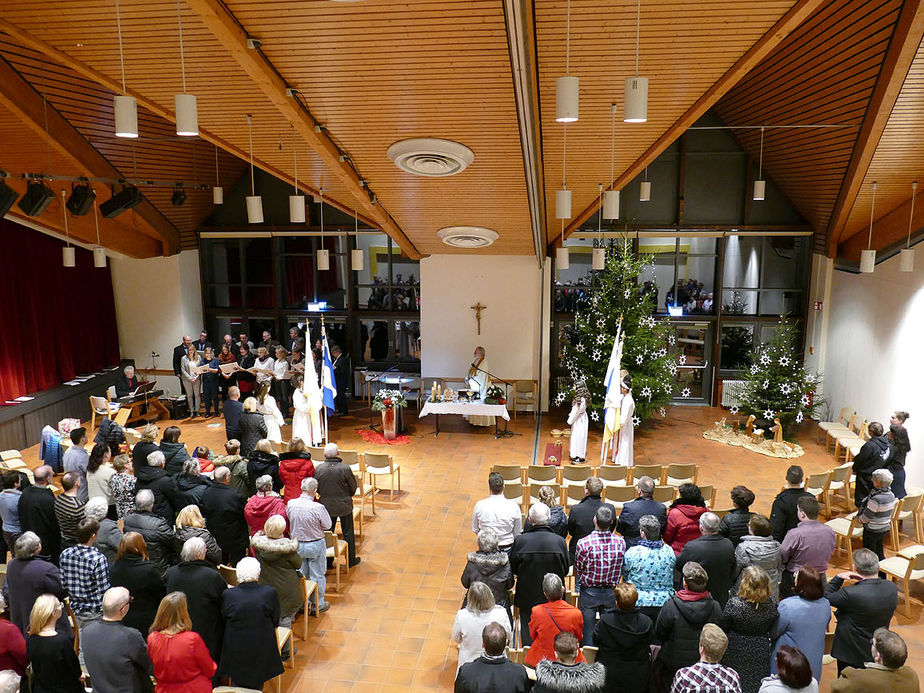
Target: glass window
point(742, 262)
point(735, 302)
point(785, 262)
point(407, 340)
point(374, 341)
point(737, 346)
point(224, 296)
point(260, 297)
point(258, 260)
point(389, 279)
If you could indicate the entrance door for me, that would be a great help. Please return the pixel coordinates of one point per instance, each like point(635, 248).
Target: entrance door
point(692, 350)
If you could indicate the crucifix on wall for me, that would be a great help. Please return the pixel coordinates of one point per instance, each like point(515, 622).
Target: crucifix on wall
point(478, 308)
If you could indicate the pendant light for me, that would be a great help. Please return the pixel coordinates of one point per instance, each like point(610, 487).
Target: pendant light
point(760, 185)
point(187, 117)
point(644, 190)
point(562, 257)
point(99, 252)
point(906, 257)
point(125, 107)
point(868, 256)
point(611, 197)
point(357, 262)
point(636, 91)
point(566, 88)
point(323, 253)
point(563, 196)
point(68, 253)
point(296, 201)
point(254, 201)
point(218, 192)
point(599, 254)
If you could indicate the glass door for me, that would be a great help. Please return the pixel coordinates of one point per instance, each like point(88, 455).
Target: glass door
point(692, 351)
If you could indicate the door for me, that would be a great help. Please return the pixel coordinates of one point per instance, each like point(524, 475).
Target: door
point(692, 351)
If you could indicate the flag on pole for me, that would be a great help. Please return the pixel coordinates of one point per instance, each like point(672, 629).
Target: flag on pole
point(328, 382)
point(312, 392)
point(613, 397)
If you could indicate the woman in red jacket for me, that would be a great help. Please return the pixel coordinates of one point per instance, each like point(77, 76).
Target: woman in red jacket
point(181, 660)
point(549, 619)
point(683, 517)
point(294, 466)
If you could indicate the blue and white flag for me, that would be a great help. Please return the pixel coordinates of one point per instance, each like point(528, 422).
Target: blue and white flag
point(328, 382)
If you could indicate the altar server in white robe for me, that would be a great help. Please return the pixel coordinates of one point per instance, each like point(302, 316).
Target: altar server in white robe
point(479, 381)
point(577, 419)
point(306, 401)
point(271, 415)
point(624, 449)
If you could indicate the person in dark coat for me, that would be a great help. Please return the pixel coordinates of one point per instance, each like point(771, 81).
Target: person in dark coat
point(126, 382)
point(158, 535)
point(263, 460)
point(735, 524)
point(558, 521)
point(581, 517)
point(28, 576)
point(784, 512)
point(223, 508)
point(491, 566)
point(232, 410)
point(623, 638)
point(341, 377)
point(204, 588)
point(116, 655)
point(37, 513)
point(141, 578)
point(145, 447)
point(336, 486)
point(492, 672)
point(153, 478)
point(714, 553)
point(249, 654)
point(178, 353)
point(748, 620)
point(190, 485)
point(535, 552)
point(252, 427)
point(55, 667)
point(175, 453)
point(566, 674)
point(901, 446)
point(633, 511)
point(875, 454)
point(860, 609)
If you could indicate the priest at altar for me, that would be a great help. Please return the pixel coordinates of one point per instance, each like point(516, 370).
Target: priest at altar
point(478, 381)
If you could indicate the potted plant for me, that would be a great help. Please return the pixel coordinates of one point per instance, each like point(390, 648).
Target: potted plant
point(386, 401)
point(494, 395)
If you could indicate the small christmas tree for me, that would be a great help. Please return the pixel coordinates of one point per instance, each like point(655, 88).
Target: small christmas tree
point(777, 384)
point(588, 342)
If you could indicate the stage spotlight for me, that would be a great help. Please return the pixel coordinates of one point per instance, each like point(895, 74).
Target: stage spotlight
point(7, 197)
point(178, 197)
point(37, 198)
point(81, 200)
point(128, 197)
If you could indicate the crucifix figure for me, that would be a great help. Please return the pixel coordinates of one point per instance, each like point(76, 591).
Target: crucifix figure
point(478, 308)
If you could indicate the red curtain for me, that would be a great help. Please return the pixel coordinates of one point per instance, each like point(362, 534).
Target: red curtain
point(55, 322)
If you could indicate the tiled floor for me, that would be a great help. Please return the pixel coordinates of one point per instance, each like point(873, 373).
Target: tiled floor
point(389, 629)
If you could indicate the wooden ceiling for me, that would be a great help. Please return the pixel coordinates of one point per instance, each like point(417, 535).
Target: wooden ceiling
point(370, 73)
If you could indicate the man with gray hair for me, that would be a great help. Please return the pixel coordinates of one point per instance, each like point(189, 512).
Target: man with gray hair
point(536, 551)
point(887, 671)
point(109, 536)
point(336, 486)
point(633, 511)
point(860, 609)
point(875, 512)
point(154, 477)
point(308, 520)
point(223, 509)
point(28, 576)
point(116, 655)
point(715, 553)
point(10, 681)
point(157, 534)
point(37, 512)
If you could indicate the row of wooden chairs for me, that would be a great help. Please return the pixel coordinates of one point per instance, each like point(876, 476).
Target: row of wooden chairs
point(615, 475)
point(847, 434)
point(367, 464)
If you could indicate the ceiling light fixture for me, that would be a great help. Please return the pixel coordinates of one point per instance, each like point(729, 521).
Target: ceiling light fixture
point(644, 190)
point(99, 252)
point(562, 258)
point(125, 107)
point(868, 256)
point(7, 195)
point(323, 253)
point(37, 198)
point(468, 237)
point(566, 88)
point(68, 254)
point(760, 185)
point(357, 262)
point(81, 199)
point(129, 196)
point(254, 201)
point(178, 198)
point(610, 209)
point(296, 200)
point(599, 253)
point(218, 192)
point(636, 92)
point(563, 196)
point(187, 116)
point(906, 256)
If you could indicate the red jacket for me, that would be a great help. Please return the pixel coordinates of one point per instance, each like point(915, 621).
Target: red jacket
point(293, 468)
point(543, 629)
point(181, 663)
point(682, 525)
point(12, 648)
point(261, 508)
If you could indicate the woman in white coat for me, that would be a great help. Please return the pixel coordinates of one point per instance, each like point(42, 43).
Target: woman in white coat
point(271, 414)
point(306, 401)
point(577, 419)
point(624, 454)
point(480, 609)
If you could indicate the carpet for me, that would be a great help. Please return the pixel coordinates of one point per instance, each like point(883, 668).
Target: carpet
point(379, 438)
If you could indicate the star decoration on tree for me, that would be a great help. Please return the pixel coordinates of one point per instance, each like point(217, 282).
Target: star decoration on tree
point(805, 401)
point(685, 392)
point(662, 411)
point(672, 367)
point(601, 323)
point(560, 398)
point(594, 415)
point(799, 417)
point(768, 414)
point(672, 339)
point(627, 293)
point(639, 359)
point(597, 355)
point(646, 392)
point(766, 384)
point(784, 361)
point(764, 359)
point(601, 338)
point(754, 369)
point(636, 422)
point(661, 353)
point(734, 411)
point(785, 388)
point(579, 347)
point(682, 360)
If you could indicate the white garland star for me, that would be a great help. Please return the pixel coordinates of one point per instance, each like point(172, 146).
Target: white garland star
point(579, 347)
point(784, 360)
point(661, 353)
point(768, 415)
point(638, 359)
point(646, 392)
point(766, 384)
point(662, 411)
point(672, 340)
point(601, 338)
point(799, 417)
point(805, 400)
point(601, 323)
point(785, 388)
point(754, 369)
point(636, 422)
point(595, 415)
point(597, 355)
point(682, 360)
point(560, 398)
point(672, 367)
point(764, 359)
point(685, 392)
point(734, 411)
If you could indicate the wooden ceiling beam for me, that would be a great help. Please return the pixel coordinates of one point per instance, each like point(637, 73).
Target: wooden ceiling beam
point(797, 14)
point(902, 48)
point(21, 99)
point(230, 34)
point(888, 230)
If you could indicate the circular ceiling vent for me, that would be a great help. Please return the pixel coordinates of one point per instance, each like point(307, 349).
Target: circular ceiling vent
point(467, 236)
point(430, 157)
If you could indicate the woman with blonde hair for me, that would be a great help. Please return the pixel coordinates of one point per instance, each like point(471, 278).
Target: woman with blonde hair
point(479, 611)
point(192, 382)
point(748, 620)
point(558, 521)
point(189, 524)
point(181, 660)
point(295, 466)
point(253, 426)
point(55, 667)
point(123, 484)
point(145, 446)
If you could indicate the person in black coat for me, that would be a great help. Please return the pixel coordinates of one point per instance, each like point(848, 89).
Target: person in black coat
point(178, 353)
point(190, 485)
point(623, 637)
point(249, 654)
point(232, 410)
point(126, 382)
point(859, 609)
point(158, 534)
point(492, 671)
point(204, 588)
point(336, 486)
point(490, 566)
point(714, 553)
point(633, 511)
point(28, 576)
point(262, 461)
point(535, 552)
point(252, 428)
point(223, 509)
point(341, 376)
point(581, 517)
point(784, 513)
point(901, 446)
point(874, 454)
point(145, 447)
point(133, 571)
point(37, 513)
point(162, 485)
point(735, 524)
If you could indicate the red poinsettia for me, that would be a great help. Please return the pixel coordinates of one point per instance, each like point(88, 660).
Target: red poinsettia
point(386, 402)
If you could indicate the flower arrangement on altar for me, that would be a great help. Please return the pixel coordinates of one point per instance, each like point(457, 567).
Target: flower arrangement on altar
point(388, 399)
point(494, 395)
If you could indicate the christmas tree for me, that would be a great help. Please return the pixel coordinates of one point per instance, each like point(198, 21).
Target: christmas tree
point(588, 342)
point(777, 384)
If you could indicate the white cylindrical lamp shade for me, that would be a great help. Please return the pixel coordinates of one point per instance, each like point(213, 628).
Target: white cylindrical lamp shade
point(566, 99)
point(760, 189)
point(218, 195)
point(562, 258)
point(323, 259)
point(69, 256)
point(599, 258)
point(297, 209)
point(99, 257)
point(868, 261)
point(644, 191)
point(357, 262)
point(126, 116)
point(906, 260)
point(563, 204)
point(254, 209)
point(636, 99)
point(187, 115)
point(611, 204)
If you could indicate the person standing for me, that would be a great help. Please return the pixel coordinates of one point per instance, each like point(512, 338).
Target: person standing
point(210, 382)
point(341, 376)
point(69, 508)
point(181, 660)
point(875, 512)
point(803, 620)
point(226, 380)
point(336, 486)
point(597, 568)
point(252, 427)
point(708, 674)
point(37, 512)
point(203, 342)
point(479, 611)
point(116, 655)
point(9, 507)
point(714, 553)
point(874, 455)
point(577, 419)
point(748, 620)
point(623, 638)
point(901, 446)
point(281, 389)
point(492, 671)
point(76, 459)
point(581, 516)
point(133, 571)
point(498, 513)
point(55, 667)
point(308, 520)
point(810, 543)
point(887, 671)
point(735, 524)
point(223, 508)
point(634, 511)
point(784, 513)
point(192, 383)
point(550, 618)
point(232, 410)
point(29, 576)
point(179, 352)
point(624, 452)
point(479, 381)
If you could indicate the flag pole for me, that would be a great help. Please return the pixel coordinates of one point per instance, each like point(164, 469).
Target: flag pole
point(323, 344)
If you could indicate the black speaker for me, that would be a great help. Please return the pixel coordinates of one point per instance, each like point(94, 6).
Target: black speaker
point(7, 197)
point(37, 198)
point(128, 197)
point(81, 200)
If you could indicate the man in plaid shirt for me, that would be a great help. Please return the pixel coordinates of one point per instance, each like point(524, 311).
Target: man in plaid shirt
point(85, 574)
point(597, 568)
point(707, 675)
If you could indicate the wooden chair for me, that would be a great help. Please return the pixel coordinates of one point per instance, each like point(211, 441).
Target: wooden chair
point(664, 494)
point(840, 481)
point(100, 406)
point(911, 509)
point(575, 475)
point(309, 587)
point(852, 431)
point(847, 529)
point(317, 453)
point(358, 466)
point(525, 393)
point(614, 475)
point(541, 475)
point(844, 442)
point(571, 495)
point(852, 447)
point(590, 653)
point(228, 574)
point(679, 474)
point(72, 620)
point(843, 423)
point(510, 472)
point(619, 495)
point(708, 492)
point(121, 417)
point(818, 485)
point(907, 565)
point(337, 551)
point(514, 491)
point(655, 471)
point(379, 464)
point(283, 636)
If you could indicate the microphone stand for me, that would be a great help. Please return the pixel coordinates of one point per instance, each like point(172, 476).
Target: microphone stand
point(506, 433)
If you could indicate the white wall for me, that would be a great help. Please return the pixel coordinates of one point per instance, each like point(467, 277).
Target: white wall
point(510, 325)
point(874, 340)
point(157, 301)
